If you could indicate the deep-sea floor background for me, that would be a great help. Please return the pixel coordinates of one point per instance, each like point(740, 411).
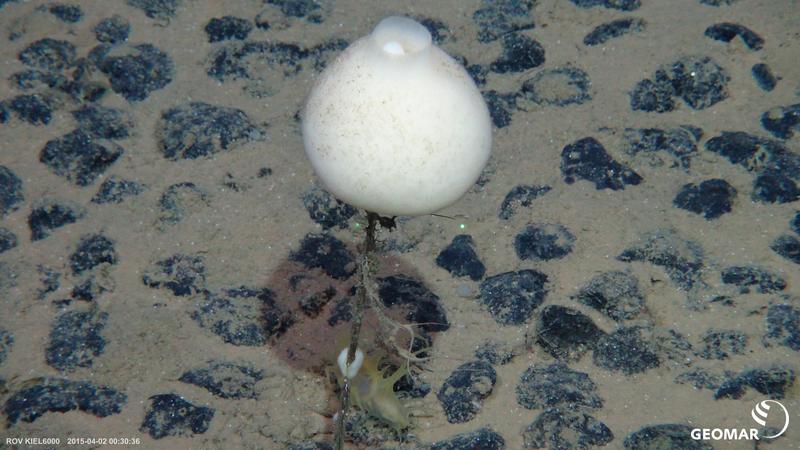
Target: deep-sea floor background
point(626, 266)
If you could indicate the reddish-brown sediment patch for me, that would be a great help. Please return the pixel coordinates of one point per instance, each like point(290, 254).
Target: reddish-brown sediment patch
point(317, 307)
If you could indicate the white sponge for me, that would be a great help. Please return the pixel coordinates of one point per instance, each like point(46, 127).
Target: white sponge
point(396, 126)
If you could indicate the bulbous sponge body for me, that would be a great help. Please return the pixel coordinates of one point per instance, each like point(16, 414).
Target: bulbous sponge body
point(396, 126)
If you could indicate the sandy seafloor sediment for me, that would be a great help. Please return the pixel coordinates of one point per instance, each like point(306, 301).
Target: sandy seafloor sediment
point(162, 239)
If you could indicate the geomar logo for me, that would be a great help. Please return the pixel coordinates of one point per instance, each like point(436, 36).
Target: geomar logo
point(762, 411)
